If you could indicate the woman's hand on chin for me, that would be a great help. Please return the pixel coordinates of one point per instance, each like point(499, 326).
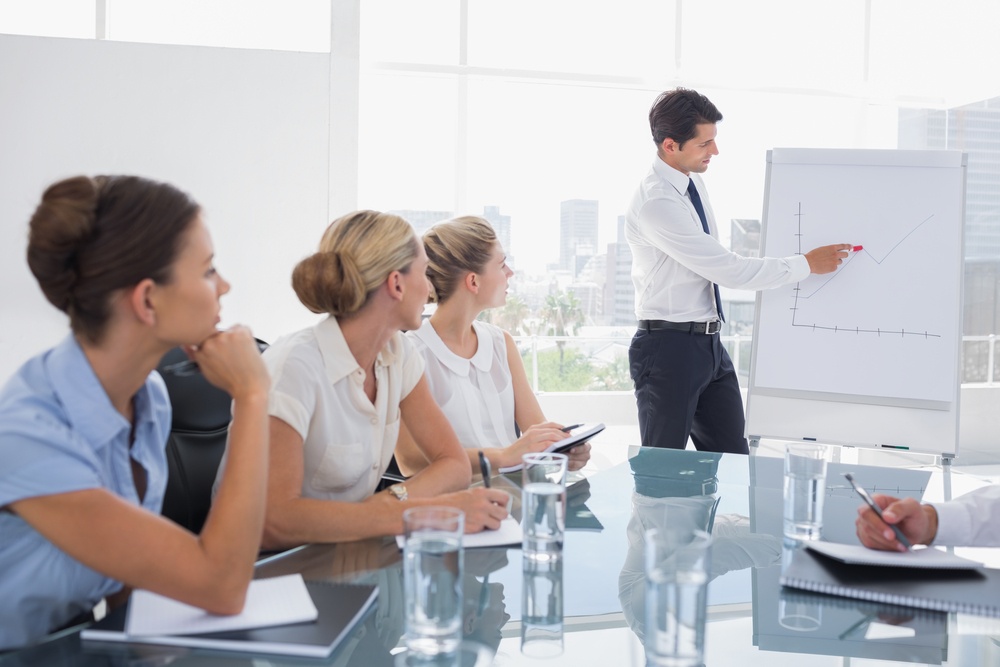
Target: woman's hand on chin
point(231, 361)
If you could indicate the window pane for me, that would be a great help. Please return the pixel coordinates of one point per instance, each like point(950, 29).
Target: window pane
point(407, 143)
point(778, 43)
point(534, 146)
point(975, 357)
point(48, 18)
point(923, 49)
point(625, 37)
point(410, 31)
point(302, 25)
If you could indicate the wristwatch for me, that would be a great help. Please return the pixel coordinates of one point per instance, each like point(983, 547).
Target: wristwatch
point(399, 490)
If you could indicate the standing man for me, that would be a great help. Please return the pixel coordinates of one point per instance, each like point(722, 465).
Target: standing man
point(685, 383)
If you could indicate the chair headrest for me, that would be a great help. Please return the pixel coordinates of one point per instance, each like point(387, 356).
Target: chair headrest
point(197, 404)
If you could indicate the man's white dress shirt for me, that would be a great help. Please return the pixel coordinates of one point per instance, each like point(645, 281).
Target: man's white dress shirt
point(971, 520)
point(674, 262)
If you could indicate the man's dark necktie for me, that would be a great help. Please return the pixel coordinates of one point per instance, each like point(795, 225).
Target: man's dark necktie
point(696, 200)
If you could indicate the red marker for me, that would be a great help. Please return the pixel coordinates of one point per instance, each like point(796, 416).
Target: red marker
point(857, 248)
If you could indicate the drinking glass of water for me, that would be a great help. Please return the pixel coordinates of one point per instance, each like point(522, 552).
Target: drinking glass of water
point(432, 579)
point(805, 489)
point(543, 504)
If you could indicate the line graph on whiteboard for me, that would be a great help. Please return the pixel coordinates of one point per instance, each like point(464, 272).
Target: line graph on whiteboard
point(868, 267)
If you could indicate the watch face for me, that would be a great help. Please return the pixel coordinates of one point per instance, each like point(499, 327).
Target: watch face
point(399, 491)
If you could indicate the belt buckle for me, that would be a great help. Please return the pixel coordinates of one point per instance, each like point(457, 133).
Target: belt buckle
point(713, 327)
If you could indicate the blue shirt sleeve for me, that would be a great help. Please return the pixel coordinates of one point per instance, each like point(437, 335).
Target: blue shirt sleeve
point(42, 457)
point(41, 453)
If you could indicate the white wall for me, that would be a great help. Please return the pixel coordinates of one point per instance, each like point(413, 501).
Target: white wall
point(247, 133)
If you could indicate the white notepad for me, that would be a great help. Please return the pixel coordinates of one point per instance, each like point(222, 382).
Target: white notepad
point(509, 533)
point(270, 602)
point(929, 557)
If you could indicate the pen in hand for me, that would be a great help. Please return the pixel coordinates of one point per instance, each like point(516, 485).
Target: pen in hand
point(878, 510)
point(484, 467)
point(567, 429)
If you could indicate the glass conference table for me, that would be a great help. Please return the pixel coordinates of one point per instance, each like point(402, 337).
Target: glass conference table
point(752, 620)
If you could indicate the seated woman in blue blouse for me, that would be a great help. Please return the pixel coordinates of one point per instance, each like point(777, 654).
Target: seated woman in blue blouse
point(83, 425)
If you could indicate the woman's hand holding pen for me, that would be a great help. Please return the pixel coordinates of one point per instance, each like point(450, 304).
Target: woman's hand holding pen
point(484, 508)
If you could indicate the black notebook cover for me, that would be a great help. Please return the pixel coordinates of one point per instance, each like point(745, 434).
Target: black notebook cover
point(968, 591)
point(340, 606)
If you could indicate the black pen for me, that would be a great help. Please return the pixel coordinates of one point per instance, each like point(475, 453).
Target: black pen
point(567, 429)
point(878, 510)
point(484, 466)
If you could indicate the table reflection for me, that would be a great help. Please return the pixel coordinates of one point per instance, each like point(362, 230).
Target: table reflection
point(750, 618)
point(680, 489)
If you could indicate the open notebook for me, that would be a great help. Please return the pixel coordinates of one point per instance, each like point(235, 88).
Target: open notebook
point(508, 534)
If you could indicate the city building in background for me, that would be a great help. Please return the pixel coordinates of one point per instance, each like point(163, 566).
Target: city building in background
point(423, 220)
point(973, 129)
point(577, 233)
point(501, 225)
point(744, 237)
point(619, 292)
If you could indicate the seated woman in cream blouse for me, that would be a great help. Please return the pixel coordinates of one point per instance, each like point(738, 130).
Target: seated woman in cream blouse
point(474, 369)
point(341, 389)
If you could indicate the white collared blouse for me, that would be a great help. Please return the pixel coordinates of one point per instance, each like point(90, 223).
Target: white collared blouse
point(477, 394)
point(317, 388)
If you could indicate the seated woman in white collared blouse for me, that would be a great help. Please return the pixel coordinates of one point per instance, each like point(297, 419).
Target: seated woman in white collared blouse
point(474, 369)
point(341, 389)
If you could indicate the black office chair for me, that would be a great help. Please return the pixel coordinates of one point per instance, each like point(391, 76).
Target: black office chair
point(201, 416)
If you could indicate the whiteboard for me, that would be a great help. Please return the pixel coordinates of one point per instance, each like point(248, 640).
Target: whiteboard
point(868, 355)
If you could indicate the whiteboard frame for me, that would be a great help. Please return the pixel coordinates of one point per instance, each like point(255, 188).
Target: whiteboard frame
point(922, 426)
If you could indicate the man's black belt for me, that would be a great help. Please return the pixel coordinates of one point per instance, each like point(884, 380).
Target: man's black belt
point(713, 327)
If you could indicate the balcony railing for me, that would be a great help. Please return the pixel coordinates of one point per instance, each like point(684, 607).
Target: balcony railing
point(586, 363)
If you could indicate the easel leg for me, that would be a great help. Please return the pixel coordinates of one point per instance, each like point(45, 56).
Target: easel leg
point(946, 461)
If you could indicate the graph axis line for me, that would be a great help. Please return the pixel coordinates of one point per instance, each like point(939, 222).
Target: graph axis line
point(797, 290)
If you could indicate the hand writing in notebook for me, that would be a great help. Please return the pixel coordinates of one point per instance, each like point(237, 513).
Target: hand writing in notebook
point(917, 522)
point(878, 510)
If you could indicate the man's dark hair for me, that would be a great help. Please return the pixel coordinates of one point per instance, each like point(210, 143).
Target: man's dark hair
point(675, 113)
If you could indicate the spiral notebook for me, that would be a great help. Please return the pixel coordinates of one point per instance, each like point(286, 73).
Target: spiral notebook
point(973, 591)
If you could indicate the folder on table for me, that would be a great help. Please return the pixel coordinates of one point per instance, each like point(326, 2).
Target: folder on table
point(339, 608)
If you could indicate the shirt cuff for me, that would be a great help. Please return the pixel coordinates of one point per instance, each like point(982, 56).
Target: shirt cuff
point(954, 524)
point(799, 266)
